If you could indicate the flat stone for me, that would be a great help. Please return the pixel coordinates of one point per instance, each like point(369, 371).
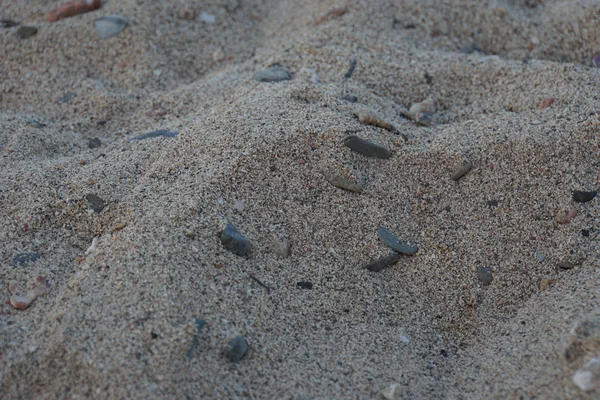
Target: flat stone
point(390, 240)
point(382, 262)
point(546, 283)
point(305, 285)
point(110, 25)
point(583, 197)
point(236, 348)
point(585, 232)
point(540, 256)
point(350, 99)
point(154, 134)
point(94, 143)
point(566, 265)
point(200, 323)
point(587, 378)
point(26, 257)
point(67, 97)
point(484, 275)
point(343, 182)
point(493, 203)
point(26, 32)
point(272, 74)
point(366, 148)
point(234, 241)
point(95, 202)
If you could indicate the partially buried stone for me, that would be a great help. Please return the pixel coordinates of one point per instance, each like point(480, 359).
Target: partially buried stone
point(484, 275)
point(566, 265)
point(154, 134)
point(583, 197)
point(26, 257)
point(587, 378)
point(234, 241)
point(390, 240)
point(110, 25)
point(95, 202)
point(236, 348)
point(26, 32)
point(305, 285)
point(382, 262)
point(200, 323)
point(596, 60)
point(350, 99)
point(7, 23)
point(94, 143)
point(366, 148)
point(272, 74)
point(343, 182)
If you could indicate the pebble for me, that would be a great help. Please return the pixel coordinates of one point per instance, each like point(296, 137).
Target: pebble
point(392, 392)
point(585, 232)
point(540, 256)
point(566, 265)
point(154, 134)
point(26, 257)
point(72, 8)
point(207, 18)
point(110, 25)
point(94, 143)
point(8, 23)
point(587, 378)
point(545, 103)
point(366, 148)
point(38, 286)
point(382, 262)
point(272, 74)
point(467, 48)
point(351, 69)
point(200, 323)
point(234, 241)
point(390, 240)
point(583, 197)
point(67, 97)
point(546, 283)
point(343, 182)
point(493, 203)
point(366, 118)
point(596, 60)
point(484, 275)
point(565, 216)
point(26, 32)
point(426, 106)
point(95, 202)
point(462, 170)
point(424, 119)
point(350, 99)
point(236, 348)
point(305, 285)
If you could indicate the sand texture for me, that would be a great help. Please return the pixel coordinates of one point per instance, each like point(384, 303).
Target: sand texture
point(501, 300)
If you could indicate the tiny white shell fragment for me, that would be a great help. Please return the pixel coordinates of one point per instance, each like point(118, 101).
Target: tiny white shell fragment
point(110, 25)
point(208, 18)
point(587, 378)
point(426, 106)
point(92, 246)
point(393, 392)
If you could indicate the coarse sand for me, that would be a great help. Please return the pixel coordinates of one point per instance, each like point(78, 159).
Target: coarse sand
point(501, 301)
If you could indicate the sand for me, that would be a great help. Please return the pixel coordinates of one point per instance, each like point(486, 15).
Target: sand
point(464, 318)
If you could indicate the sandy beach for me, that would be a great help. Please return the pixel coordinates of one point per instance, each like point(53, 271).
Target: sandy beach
point(180, 180)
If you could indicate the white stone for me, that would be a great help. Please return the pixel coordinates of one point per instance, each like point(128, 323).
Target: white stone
point(393, 392)
point(588, 377)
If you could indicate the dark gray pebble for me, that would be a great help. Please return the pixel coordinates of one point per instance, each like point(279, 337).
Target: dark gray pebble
point(26, 32)
point(394, 243)
point(272, 74)
point(7, 23)
point(484, 275)
point(583, 197)
point(154, 134)
point(26, 257)
point(350, 99)
point(234, 241)
point(200, 323)
point(366, 148)
point(94, 143)
point(382, 262)
point(305, 285)
point(236, 348)
point(95, 202)
point(67, 97)
point(493, 203)
point(566, 265)
point(351, 69)
point(585, 232)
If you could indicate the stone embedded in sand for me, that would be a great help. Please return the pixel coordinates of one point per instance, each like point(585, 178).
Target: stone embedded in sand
point(8, 23)
point(207, 18)
point(596, 60)
point(236, 348)
point(546, 283)
point(392, 392)
point(26, 32)
point(234, 241)
point(565, 216)
point(367, 118)
point(305, 285)
point(382, 262)
point(95, 202)
point(545, 103)
point(272, 74)
point(484, 275)
point(566, 265)
point(26, 257)
point(200, 323)
point(424, 119)
point(390, 240)
point(583, 197)
point(110, 25)
point(344, 182)
point(72, 8)
point(350, 98)
point(426, 106)
point(154, 134)
point(540, 256)
point(366, 148)
point(37, 286)
point(587, 378)
point(94, 143)
point(462, 170)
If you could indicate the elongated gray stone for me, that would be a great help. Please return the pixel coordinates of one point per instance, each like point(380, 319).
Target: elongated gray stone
point(366, 148)
point(154, 134)
point(95, 202)
point(390, 240)
point(344, 183)
point(234, 241)
point(200, 323)
point(110, 25)
point(382, 262)
point(236, 348)
point(272, 74)
point(583, 197)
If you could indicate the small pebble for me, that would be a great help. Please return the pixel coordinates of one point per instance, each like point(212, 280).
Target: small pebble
point(72, 8)
point(426, 106)
point(493, 203)
point(545, 103)
point(344, 182)
point(95, 202)
point(366, 118)
point(390, 240)
point(94, 143)
point(461, 171)
point(350, 99)
point(585, 232)
point(596, 60)
point(566, 265)
point(218, 55)
point(583, 197)
point(305, 285)
point(382, 262)
point(207, 18)
point(540, 256)
point(67, 97)
point(351, 69)
point(236, 348)
point(366, 148)
point(484, 275)
point(272, 74)
point(587, 378)
point(26, 32)
point(424, 119)
point(392, 392)
point(546, 283)
point(467, 48)
point(26, 257)
point(200, 323)
point(564, 217)
point(8, 23)
point(110, 25)
point(234, 241)
point(154, 134)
